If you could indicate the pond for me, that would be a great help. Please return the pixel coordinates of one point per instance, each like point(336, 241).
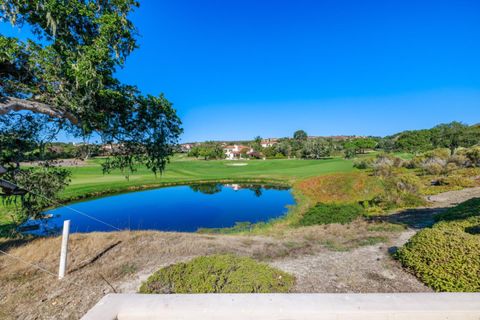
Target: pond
point(179, 208)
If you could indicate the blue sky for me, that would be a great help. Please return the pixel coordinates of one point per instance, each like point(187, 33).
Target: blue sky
point(240, 68)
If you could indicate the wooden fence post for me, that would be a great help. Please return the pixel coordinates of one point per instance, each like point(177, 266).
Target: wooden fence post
point(64, 249)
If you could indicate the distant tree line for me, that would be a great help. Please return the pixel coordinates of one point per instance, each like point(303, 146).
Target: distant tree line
point(451, 135)
point(209, 150)
point(304, 147)
point(62, 150)
point(300, 146)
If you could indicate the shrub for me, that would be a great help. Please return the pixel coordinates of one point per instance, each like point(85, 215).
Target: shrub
point(441, 153)
point(460, 160)
point(473, 154)
point(382, 164)
point(218, 274)
point(434, 165)
point(450, 167)
point(324, 213)
point(364, 163)
point(400, 191)
point(455, 181)
point(415, 162)
point(446, 257)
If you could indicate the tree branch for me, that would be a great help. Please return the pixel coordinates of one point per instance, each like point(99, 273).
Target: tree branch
point(8, 104)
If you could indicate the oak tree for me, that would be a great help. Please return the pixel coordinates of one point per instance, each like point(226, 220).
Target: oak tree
point(64, 80)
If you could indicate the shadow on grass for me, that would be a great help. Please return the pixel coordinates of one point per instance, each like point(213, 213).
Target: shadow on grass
point(413, 218)
point(10, 238)
point(7, 244)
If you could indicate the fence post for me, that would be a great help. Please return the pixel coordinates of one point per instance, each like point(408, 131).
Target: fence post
point(64, 249)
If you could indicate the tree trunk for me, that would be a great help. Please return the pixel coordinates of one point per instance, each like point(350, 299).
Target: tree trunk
point(452, 150)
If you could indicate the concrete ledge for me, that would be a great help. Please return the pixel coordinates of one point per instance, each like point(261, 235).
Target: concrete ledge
point(395, 306)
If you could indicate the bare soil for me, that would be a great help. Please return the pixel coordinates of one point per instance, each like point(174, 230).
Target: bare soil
point(58, 163)
point(334, 258)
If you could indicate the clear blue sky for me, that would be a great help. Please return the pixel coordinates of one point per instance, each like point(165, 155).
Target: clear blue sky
point(240, 68)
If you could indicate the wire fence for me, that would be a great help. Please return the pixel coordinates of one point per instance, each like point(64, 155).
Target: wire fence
point(50, 273)
point(57, 203)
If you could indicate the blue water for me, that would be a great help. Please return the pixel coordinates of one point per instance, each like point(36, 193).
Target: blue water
point(180, 208)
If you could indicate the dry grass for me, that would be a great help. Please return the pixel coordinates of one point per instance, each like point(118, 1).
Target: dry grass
point(340, 187)
point(124, 259)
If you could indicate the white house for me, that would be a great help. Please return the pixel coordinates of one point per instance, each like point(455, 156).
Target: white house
point(235, 152)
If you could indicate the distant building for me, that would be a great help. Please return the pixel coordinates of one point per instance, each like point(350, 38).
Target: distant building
point(186, 147)
point(109, 148)
point(336, 138)
point(269, 142)
point(234, 152)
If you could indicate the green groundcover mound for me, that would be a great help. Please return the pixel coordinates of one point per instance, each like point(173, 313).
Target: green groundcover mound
point(218, 274)
point(326, 213)
point(446, 257)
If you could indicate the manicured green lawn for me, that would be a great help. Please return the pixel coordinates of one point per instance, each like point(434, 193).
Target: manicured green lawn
point(89, 179)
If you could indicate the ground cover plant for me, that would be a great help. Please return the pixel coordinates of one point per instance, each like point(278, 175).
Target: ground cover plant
point(324, 213)
point(218, 274)
point(446, 257)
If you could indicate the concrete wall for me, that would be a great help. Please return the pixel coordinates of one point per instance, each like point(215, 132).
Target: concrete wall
point(397, 306)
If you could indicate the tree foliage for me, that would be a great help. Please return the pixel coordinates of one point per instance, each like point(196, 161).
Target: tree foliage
point(316, 149)
point(359, 145)
point(454, 135)
point(64, 80)
point(208, 150)
point(451, 135)
point(300, 135)
point(415, 141)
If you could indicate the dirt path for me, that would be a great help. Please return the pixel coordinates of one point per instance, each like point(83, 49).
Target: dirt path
point(370, 269)
point(423, 217)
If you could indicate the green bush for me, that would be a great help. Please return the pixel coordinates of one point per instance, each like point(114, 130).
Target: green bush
point(467, 209)
point(218, 274)
point(324, 213)
point(446, 257)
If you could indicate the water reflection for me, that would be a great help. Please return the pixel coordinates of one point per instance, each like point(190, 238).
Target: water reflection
point(180, 208)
